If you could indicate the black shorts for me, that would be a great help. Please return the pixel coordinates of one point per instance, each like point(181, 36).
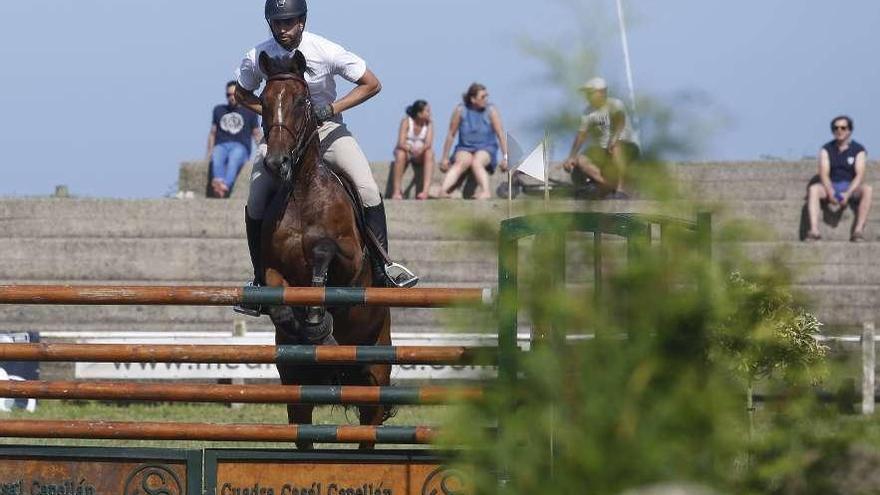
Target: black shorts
point(601, 158)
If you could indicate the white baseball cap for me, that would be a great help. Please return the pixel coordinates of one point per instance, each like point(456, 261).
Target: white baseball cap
point(595, 84)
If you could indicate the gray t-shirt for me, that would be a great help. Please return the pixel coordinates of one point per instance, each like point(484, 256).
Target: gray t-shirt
point(597, 121)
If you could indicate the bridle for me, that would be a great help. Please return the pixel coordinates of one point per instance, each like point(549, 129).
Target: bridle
point(294, 155)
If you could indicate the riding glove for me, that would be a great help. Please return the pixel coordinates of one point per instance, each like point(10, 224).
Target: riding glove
point(324, 112)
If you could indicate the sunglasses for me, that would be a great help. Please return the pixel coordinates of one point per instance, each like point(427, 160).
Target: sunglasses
point(841, 128)
point(230, 94)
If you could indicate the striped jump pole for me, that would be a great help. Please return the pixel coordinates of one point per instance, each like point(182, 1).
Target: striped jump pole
point(229, 296)
point(216, 432)
point(253, 394)
point(252, 354)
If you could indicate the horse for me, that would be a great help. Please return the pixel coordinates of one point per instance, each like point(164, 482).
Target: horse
point(312, 238)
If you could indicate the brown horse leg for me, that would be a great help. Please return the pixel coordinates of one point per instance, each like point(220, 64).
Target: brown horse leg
point(301, 414)
point(374, 375)
point(288, 331)
point(298, 414)
point(319, 330)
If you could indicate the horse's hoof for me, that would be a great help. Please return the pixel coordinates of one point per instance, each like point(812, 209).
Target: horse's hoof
point(320, 333)
point(315, 315)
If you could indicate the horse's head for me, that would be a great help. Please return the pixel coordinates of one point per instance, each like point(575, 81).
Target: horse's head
point(288, 121)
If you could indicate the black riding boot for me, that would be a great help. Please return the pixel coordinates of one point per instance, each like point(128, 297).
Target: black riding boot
point(254, 229)
point(393, 274)
point(375, 218)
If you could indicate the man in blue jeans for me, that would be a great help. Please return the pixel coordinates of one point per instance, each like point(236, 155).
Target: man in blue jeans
point(229, 143)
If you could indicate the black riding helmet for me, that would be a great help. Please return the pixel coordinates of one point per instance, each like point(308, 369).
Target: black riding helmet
point(285, 9)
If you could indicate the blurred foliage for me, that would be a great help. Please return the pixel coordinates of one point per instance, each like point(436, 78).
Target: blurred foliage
point(657, 394)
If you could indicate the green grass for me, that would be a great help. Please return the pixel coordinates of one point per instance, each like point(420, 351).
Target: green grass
point(200, 413)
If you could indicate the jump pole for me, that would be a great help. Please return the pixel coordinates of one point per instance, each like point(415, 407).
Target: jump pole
point(252, 354)
point(216, 432)
point(229, 296)
point(253, 394)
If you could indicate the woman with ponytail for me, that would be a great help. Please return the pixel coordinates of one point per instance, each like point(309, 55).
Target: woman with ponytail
point(415, 141)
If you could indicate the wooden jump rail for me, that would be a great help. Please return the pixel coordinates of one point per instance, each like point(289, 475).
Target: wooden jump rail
point(253, 354)
point(104, 430)
point(229, 296)
point(254, 394)
point(224, 296)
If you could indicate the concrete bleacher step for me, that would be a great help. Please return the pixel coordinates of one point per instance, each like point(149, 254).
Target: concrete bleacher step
point(420, 220)
point(209, 260)
point(436, 262)
point(737, 191)
point(758, 171)
point(84, 218)
point(786, 221)
point(748, 190)
point(168, 218)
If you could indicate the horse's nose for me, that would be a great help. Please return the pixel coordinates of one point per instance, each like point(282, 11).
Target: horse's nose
point(274, 162)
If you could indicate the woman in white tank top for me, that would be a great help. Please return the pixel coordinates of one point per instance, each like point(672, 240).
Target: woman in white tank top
point(415, 141)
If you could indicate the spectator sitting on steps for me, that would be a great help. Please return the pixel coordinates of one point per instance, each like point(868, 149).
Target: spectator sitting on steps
point(480, 132)
point(841, 179)
point(229, 143)
point(615, 143)
point(415, 141)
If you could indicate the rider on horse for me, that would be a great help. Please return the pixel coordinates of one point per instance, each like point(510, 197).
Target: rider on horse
point(339, 149)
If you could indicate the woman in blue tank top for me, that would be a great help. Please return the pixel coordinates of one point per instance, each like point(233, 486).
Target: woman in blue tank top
point(480, 132)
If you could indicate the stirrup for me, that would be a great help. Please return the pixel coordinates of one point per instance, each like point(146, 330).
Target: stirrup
point(400, 276)
point(249, 309)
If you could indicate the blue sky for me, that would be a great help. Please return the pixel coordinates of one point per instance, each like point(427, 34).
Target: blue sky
point(108, 97)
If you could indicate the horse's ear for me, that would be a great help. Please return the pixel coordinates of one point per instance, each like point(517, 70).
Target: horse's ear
point(267, 64)
point(301, 66)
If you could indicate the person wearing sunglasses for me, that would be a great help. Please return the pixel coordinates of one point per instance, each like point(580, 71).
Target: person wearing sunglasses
point(841, 179)
point(233, 127)
point(480, 135)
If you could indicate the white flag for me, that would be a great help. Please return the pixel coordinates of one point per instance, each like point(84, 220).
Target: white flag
point(514, 152)
point(533, 165)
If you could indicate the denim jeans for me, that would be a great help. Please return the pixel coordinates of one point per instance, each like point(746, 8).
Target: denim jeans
point(227, 160)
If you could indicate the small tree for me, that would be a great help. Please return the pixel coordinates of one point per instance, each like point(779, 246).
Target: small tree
point(658, 393)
